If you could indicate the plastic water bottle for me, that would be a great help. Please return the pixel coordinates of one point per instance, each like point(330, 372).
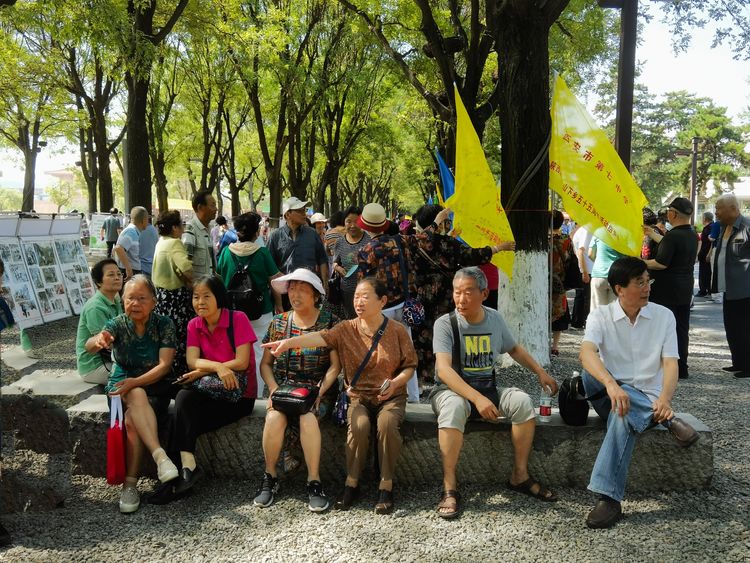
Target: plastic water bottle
point(545, 405)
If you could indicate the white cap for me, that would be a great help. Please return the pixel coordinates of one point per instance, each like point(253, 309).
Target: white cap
point(318, 218)
point(293, 203)
point(281, 284)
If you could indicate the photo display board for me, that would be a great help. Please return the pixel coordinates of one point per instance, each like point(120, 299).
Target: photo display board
point(45, 272)
point(95, 230)
point(18, 287)
point(75, 271)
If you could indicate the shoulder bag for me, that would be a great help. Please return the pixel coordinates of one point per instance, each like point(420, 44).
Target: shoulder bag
point(290, 397)
point(342, 403)
point(413, 314)
point(573, 402)
point(212, 385)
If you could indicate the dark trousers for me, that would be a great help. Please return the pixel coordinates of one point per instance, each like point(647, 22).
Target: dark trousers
point(110, 246)
point(682, 319)
point(736, 315)
point(581, 306)
point(196, 413)
point(704, 276)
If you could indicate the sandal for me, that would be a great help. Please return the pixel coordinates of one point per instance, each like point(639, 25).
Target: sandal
point(526, 488)
point(445, 502)
point(385, 502)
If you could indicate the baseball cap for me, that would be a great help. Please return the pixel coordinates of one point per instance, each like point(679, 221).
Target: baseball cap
point(293, 203)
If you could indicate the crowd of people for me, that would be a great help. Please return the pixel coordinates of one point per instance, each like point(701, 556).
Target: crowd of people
point(399, 315)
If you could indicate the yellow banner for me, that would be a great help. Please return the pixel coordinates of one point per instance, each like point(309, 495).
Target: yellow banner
point(478, 216)
point(596, 189)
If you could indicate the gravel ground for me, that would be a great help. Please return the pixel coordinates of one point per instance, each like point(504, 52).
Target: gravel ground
point(219, 523)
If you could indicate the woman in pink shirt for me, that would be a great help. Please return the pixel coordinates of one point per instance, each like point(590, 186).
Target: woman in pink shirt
point(216, 346)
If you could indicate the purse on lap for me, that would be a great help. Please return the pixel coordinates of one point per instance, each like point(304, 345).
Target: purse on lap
point(341, 408)
point(212, 385)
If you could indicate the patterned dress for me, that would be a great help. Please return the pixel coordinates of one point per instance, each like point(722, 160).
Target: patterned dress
point(561, 253)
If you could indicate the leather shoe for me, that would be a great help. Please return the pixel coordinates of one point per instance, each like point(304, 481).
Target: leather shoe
point(742, 374)
point(188, 478)
point(730, 369)
point(347, 497)
point(385, 502)
point(164, 493)
point(682, 432)
point(605, 514)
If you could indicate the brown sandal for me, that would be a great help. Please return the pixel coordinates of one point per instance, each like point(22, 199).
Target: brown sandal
point(385, 502)
point(446, 503)
point(526, 487)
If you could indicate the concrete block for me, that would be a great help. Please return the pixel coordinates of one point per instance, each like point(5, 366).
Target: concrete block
point(33, 481)
point(35, 423)
point(63, 387)
point(14, 357)
point(89, 421)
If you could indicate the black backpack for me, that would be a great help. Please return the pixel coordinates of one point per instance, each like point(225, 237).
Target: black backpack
point(243, 294)
point(573, 402)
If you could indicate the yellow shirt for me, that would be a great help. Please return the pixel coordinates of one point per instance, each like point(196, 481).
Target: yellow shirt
point(170, 257)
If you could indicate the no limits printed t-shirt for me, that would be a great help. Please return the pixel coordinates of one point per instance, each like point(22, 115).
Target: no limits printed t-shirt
point(217, 347)
point(134, 355)
point(481, 343)
point(393, 354)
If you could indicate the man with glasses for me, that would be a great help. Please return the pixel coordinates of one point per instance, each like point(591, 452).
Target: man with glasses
point(672, 271)
point(629, 354)
point(297, 245)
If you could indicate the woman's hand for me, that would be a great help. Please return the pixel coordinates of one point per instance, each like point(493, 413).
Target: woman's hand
point(388, 393)
point(190, 376)
point(339, 269)
point(123, 387)
point(352, 393)
point(277, 347)
point(103, 340)
point(228, 378)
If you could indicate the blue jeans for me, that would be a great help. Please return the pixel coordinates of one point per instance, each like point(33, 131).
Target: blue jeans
point(610, 471)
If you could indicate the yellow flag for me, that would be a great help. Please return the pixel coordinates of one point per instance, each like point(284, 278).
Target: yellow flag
point(596, 189)
point(478, 216)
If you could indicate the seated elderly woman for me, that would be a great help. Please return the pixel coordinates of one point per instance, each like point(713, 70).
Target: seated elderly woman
point(142, 345)
point(219, 347)
point(103, 306)
point(312, 365)
point(379, 391)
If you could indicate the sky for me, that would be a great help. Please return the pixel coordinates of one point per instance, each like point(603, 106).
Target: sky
point(701, 70)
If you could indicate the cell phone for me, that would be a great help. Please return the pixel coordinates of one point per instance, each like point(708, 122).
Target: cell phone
point(386, 385)
point(180, 380)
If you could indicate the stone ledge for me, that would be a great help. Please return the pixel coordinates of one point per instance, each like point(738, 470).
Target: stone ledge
point(62, 387)
point(562, 455)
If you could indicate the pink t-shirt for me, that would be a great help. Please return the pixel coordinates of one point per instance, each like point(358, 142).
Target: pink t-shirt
point(217, 347)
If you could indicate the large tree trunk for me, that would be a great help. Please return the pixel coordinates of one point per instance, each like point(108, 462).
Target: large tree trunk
point(523, 74)
point(137, 161)
point(29, 179)
point(106, 198)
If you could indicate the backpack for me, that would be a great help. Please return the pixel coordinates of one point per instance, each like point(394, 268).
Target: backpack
point(243, 294)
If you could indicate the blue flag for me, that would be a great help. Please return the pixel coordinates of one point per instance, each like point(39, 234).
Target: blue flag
point(429, 201)
point(446, 177)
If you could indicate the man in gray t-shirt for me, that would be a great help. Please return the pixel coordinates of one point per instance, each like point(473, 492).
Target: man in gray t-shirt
point(483, 337)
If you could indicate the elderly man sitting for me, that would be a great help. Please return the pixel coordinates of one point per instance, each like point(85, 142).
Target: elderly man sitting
point(629, 351)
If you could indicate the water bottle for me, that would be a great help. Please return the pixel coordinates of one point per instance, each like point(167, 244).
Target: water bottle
point(545, 405)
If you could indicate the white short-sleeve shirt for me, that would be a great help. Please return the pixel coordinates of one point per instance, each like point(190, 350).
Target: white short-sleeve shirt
point(633, 352)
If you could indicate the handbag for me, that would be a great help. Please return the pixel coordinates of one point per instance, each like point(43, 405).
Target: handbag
point(573, 402)
point(413, 313)
point(341, 408)
point(486, 385)
point(212, 385)
point(335, 294)
point(294, 399)
point(116, 443)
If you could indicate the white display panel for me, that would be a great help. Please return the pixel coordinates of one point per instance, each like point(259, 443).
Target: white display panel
point(18, 284)
point(75, 271)
point(44, 270)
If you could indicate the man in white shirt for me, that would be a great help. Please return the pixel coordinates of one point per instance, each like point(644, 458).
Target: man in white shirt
point(629, 351)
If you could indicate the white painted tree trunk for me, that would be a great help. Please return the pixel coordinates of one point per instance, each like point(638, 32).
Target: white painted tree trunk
point(524, 303)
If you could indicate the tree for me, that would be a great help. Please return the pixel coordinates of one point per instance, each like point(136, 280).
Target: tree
point(61, 194)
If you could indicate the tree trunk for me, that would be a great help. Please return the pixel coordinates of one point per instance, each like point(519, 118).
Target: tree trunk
point(137, 161)
point(523, 75)
point(29, 178)
point(106, 198)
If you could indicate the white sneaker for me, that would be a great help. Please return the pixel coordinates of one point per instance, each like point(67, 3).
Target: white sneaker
point(166, 470)
point(130, 500)
point(718, 298)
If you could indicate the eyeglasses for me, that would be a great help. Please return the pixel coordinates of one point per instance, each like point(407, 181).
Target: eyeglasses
point(641, 283)
point(138, 299)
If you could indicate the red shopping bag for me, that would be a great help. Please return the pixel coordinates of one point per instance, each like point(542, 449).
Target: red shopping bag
point(116, 443)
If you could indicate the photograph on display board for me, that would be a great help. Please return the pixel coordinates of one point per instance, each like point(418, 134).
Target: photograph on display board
point(52, 300)
point(75, 271)
point(36, 278)
point(18, 289)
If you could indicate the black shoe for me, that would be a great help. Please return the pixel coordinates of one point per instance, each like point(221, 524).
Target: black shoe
point(385, 502)
point(164, 493)
point(683, 376)
point(682, 432)
point(731, 369)
point(605, 514)
point(187, 479)
point(701, 294)
point(742, 374)
point(347, 497)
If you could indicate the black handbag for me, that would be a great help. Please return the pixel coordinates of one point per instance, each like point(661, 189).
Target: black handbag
point(486, 385)
point(335, 294)
point(294, 399)
point(573, 402)
point(341, 408)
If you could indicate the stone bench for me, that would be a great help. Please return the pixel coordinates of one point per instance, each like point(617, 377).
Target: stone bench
point(562, 455)
point(63, 387)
